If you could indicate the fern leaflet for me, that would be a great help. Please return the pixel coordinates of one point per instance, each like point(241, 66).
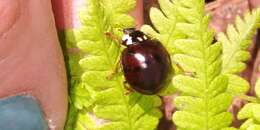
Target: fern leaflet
point(203, 102)
point(235, 43)
point(251, 112)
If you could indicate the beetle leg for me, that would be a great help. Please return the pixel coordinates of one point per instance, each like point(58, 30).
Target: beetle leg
point(116, 67)
point(114, 70)
point(128, 88)
point(192, 74)
point(176, 65)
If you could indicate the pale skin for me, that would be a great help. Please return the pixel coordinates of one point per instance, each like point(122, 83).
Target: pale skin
point(31, 60)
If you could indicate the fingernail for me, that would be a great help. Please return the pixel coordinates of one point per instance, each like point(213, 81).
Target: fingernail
point(21, 113)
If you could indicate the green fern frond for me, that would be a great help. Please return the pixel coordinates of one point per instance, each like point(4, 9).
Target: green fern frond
point(111, 108)
point(164, 22)
point(203, 101)
point(236, 41)
point(235, 44)
point(251, 112)
point(77, 97)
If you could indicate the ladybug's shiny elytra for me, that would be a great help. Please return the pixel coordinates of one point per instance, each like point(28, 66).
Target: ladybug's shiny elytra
point(146, 63)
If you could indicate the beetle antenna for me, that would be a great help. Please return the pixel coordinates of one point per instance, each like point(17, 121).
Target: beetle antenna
point(113, 37)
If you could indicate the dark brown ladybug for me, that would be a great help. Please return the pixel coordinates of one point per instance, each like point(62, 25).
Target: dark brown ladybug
point(146, 63)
